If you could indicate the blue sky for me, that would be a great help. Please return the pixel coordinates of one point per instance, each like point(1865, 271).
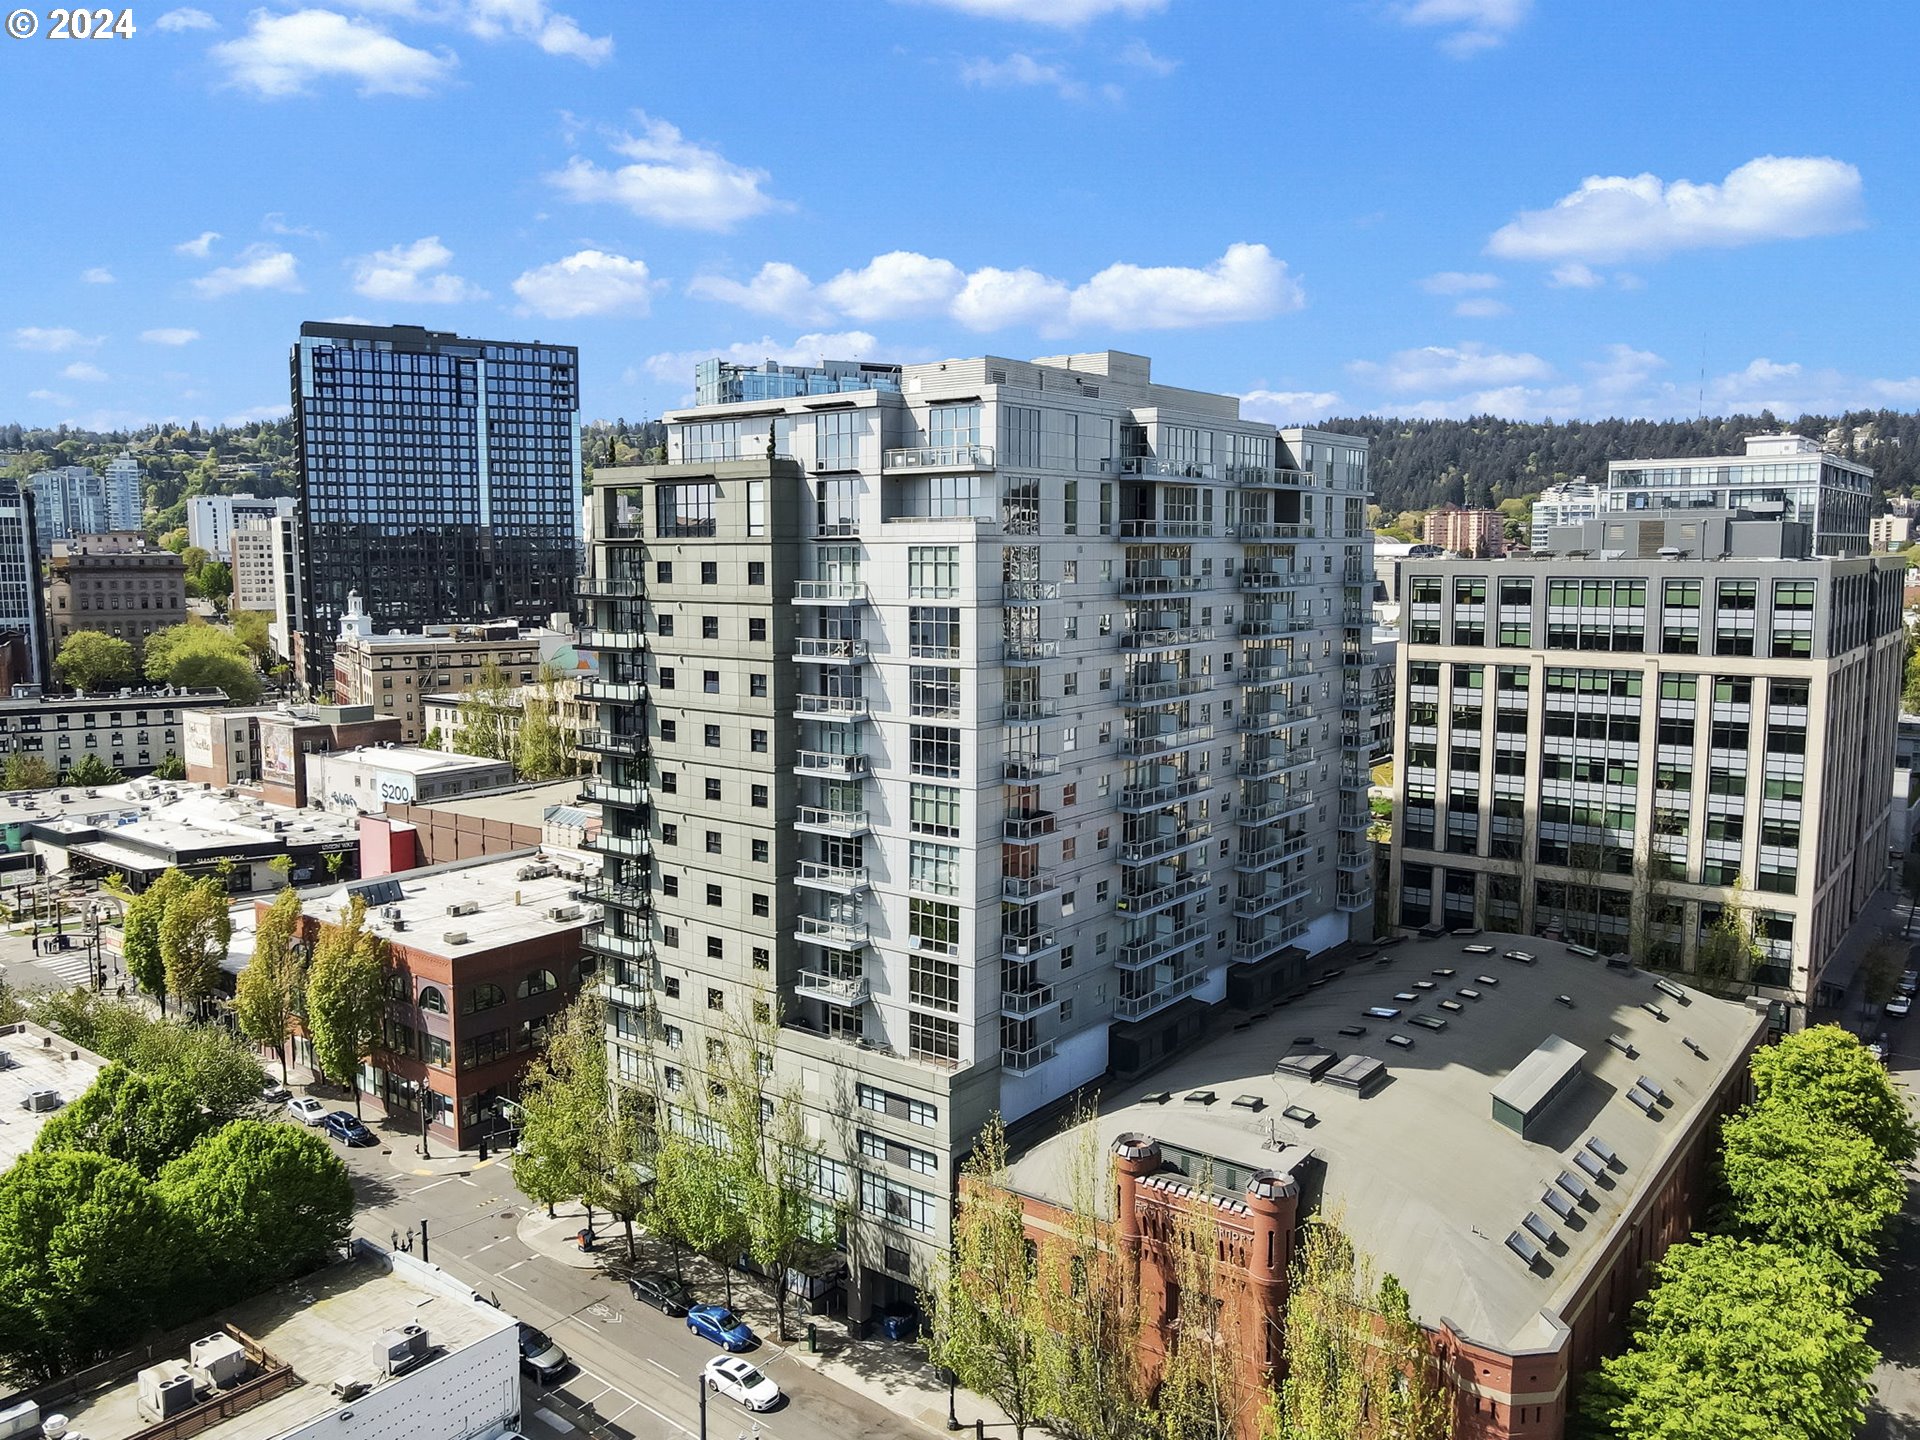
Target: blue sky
point(1414, 207)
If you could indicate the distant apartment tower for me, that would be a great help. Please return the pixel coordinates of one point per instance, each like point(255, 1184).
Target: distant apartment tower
point(119, 584)
point(252, 550)
point(1786, 477)
point(69, 501)
point(1573, 502)
point(1609, 741)
point(996, 730)
point(213, 519)
point(1466, 532)
point(126, 508)
point(24, 657)
point(722, 382)
point(1890, 532)
point(439, 477)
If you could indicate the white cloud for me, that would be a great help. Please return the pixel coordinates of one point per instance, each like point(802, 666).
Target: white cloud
point(777, 289)
point(1024, 71)
point(1458, 282)
point(677, 365)
point(1898, 392)
point(200, 246)
point(1575, 276)
point(1246, 283)
point(1481, 307)
point(85, 371)
point(97, 275)
point(50, 397)
point(413, 274)
point(1469, 26)
point(257, 412)
point(901, 282)
point(186, 18)
point(1440, 367)
point(999, 299)
point(1611, 217)
point(258, 267)
point(533, 20)
point(54, 341)
point(1064, 13)
point(1287, 407)
point(672, 180)
point(170, 336)
point(1136, 55)
point(590, 282)
point(283, 55)
point(275, 223)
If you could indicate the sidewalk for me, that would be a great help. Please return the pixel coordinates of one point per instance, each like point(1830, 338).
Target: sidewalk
point(399, 1137)
point(892, 1373)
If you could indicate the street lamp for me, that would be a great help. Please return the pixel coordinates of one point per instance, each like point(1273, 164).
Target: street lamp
point(952, 1380)
point(429, 1102)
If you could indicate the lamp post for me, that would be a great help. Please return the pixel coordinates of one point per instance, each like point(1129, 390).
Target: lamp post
point(429, 1101)
point(953, 1380)
point(700, 1389)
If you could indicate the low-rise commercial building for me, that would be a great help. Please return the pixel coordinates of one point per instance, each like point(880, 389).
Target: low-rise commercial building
point(1513, 1129)
point(493, 822)
point(572, 713)
point(118, 584)
point(40, 1072)
point(366, 781)
point(262, 751)
point(1890, 532)
point(132, 731)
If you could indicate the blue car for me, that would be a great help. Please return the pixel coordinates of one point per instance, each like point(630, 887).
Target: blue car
point(720, 1325)
point(347, 1130)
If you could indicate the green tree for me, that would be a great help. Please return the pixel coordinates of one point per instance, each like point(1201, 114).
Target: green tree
point(1738, 1340)
point(26, 772)
point(482, 727)
point(93, 660)
point(250, 628)
point(90, 769)
point(434, 739)
point(988, 1321)
point(268, 1201)
point(1729, 951)
point(213, 582)
point(89, 1260)
point(196, 560)
point(542, 748)
point(694, 1205)
point(346, 995)
point(145, 1120)
point(564, 1136)
point(194, 934)
point(170, 768)
point(1826, 1071)
point(1805, 1182)
point(140, 934)
point(271, 990)
point(200, 656)
point(219, 1070)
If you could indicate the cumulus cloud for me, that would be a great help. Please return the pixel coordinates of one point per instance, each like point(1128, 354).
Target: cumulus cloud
point(1481, 307)
point(1442, 367)
point(1135, 55)
point(85, 371)
point(413, 274)
point(1020, 70)
point(671, 180)
point(1575, 276)
point(186, 18)
point(275, 223)
point(532, 20)
point(282, 55)
point(97, 275)
point(677, 365)
point(1459, 282)
point(1287, 407)
point(55, 340)
point(1062, 13)
point(1612, 217)
point(170, 336)
point(258, 267)
point(589, 282)
point(1467, 26)
point(200, 246)
point(1245, 283)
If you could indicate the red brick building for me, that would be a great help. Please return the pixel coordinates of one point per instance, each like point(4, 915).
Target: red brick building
point(1515, 1140)
point(1467, 532)
point(261, 751)
point(485, 953)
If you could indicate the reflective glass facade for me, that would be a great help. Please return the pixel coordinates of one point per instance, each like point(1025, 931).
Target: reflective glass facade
point(439, 477)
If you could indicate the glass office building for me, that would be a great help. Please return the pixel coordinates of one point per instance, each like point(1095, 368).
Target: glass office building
point(722, 382)
point(439, 478)
point(1783, 477)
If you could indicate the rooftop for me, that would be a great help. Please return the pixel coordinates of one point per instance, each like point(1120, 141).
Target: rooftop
point(501, 901)
point(413, 759)
point(515, 804)
point(323, 1327)
point(132, 824)
point(37, 1060)
point(1431, 1181)
point(440, 637)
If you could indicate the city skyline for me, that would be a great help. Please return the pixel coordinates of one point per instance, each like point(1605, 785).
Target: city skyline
point(1453, 235)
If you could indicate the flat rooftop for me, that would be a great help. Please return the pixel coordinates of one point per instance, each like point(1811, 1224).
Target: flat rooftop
point(129, 823)
point(511, 895)
point(496, 632)
point(324, 1327)
point(1430, 1182)
point(516, 805)
point(414, 760)
point(37, 1060)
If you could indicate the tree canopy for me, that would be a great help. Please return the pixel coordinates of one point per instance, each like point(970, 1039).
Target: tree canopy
point(346, 995)
point(195, 930)
point(140, 933)
point(271, 991)
point(26, 772)
point(1827, 1072)
point(93, 660)
point(143, 1119)
point(1807, 1183)
point(197, 655)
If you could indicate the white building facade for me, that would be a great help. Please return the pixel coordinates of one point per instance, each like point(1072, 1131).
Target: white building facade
point(213, 519)
point(1573, 502)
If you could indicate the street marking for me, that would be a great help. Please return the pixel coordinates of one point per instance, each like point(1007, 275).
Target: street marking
point(658, 1366)
point(436, 1184)
point(663, 1417)
point(464, 1181)
point(513, 1282)
point(548, 1417)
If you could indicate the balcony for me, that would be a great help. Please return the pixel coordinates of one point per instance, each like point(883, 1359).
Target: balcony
point(596, 639)
point(1021, 1062)
point(939, 457)
point(1027, 652)
point(1029, 592)
point(1355, 859)
point(829, 592)
point(1166, 637)
point(631, 993)
point(606, 587)
point(1253, 860)
point(616, 692)
point(606, 792)
point(1262, 580)
point(1029, 946)
point(1257, 475)
point(1143, 587)
point(1275, 763)
point(830, 707)
point(602, 891)
point(1152, 898)
point(820, 821)
point(1278, 807)
point(1160, 847)
point(1355, 777)
point(846, 527)
point(1356, 617)
point(1155, 948)
point(1017, 712)
point(1027, 825)
point(1167, 742)
point(824, 930)
point(830, 765)
point(1030, 1001)
point(1354, 817)
point(1158, 692)
point(1358, 659)
point(606, 742)
point(1136, 1007)
point(841, 879)
point(1138, 799)
point(1146, 467)
point(833, 989)
point(1258, 903)
point(632, 846)
point(1356, 896)
point(1260, 722)
point(1165, 529)
point(1275, 672)
point(834, 649)
point(1030, 767)
point(1025, 889)
point(625, 947)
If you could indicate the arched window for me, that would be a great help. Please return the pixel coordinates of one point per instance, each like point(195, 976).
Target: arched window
point(433, 998)
point(481, 997)
point(538, 982)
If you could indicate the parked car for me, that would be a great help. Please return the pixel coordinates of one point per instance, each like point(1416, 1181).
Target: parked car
point(348, 1131)
point(898, 1321)
point(739, 1380)
point(307, 1110)
point(540, 1357)
point(666, 1294)
point(720, 1325)
point(1909, 982)
point(275, 1095)
point(1877, 1047)
point(1899, 1007)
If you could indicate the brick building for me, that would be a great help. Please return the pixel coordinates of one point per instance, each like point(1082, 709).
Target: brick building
point(261, 751)
point(117, 583)
point(1515, 1139)
point(1467, 532)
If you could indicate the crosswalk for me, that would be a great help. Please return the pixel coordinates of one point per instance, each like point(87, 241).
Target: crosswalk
point(72, 966)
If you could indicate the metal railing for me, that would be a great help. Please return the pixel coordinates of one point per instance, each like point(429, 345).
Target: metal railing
point(939, 457)
point(834, 822)
point(834, 989)
point(832, 877)
point(829, 592)
point(829, 762)
point(1134, 1007)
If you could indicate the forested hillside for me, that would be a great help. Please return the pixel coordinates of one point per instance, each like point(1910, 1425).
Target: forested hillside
point(1421, 464)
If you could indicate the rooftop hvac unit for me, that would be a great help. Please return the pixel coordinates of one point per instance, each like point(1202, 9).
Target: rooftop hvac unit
point(563, 912)
point(165, 1390)
point(41, 1101)
point(399, 922)
point(464, 907)
point(454, 937)
point(390, 912)
point(399, 1350)
point(21, 1419)
point(6, 1060)
point(220, 1358)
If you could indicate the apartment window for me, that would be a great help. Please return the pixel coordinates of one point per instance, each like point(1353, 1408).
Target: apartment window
point(933, 571)
point(883, 1199)
point(670, 886)
point(709, 627)
point(716, 999)
point(666, 677)
point(712, 733)
point(686, 509)
point(756, 520)
point(929, 1037)
point(935, 750)
point(756, 569)
point(756, 628)
point(934, 869)
point(900, 1107)
point(713, 894)
point(933, 632)
point(716, 948)
point(670, 782)
point(934, 925)
point(757, 741)
point(713, 788)
point(935, 691)
point(908, 1157)
point(669, 833)
point(759, 797)
point(710, 681)
point(709, 572)
point(663, 572)
point(934, 810)
point(757, 686)
point(670, 937)
point(761, 852)
point(761, 906)
point(669, 730)
point(762, 958)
